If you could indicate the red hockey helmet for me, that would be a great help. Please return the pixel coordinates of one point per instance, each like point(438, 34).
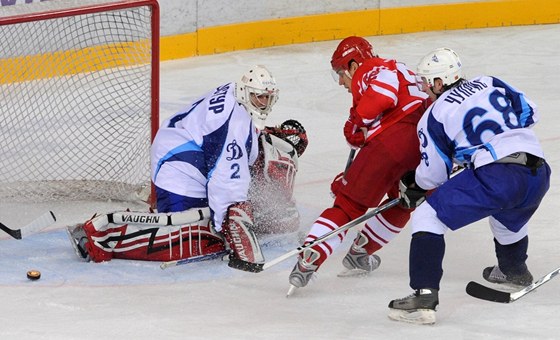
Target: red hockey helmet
point(351, 48)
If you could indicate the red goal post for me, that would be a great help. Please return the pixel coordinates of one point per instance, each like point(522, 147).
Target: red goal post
point(79, 99)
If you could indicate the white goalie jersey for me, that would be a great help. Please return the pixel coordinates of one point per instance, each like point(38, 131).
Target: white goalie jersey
point(202, 155)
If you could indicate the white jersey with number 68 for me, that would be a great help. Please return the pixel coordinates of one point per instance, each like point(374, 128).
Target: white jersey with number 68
point(473, 124)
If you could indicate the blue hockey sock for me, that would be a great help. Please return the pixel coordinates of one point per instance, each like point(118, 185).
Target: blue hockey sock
point(511, 257)
point(425, 260)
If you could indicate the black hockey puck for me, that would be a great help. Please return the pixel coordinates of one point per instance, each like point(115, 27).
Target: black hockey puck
point(33, 275)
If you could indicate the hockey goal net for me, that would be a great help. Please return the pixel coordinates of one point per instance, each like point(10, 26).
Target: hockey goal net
point(79, 89)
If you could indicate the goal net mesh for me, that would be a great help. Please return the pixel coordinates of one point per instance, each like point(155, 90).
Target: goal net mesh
point(77, 108)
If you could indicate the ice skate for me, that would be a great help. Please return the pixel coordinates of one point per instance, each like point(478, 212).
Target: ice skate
point(358, 262)
point(418, 308)
point(495, 275)
point(78, 239)
point(304, 271)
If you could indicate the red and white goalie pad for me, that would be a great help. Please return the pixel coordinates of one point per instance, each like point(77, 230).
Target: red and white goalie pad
point(151, 236)
point(237, 228)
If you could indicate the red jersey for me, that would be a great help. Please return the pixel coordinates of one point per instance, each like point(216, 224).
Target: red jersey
point(383, 92)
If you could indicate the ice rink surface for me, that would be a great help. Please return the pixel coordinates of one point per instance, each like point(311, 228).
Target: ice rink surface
point(138, 300)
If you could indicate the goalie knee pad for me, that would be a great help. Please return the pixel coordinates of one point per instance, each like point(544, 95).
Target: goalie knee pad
point(237, 229)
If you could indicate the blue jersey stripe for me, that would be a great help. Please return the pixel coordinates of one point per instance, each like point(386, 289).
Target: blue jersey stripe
point(523, 110)
point(188, 152)
point(442, 143)
point(213, 145)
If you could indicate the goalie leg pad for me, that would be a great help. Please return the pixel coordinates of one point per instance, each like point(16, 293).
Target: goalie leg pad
point(150, 243)
point(239, 234)
point(95, 226)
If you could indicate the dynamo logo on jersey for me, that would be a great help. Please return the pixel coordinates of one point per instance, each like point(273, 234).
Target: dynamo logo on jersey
point(423, 143)
point(236, 152)
point(422, 138)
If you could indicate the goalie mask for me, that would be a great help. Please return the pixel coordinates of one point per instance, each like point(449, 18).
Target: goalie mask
point(442, 63)
point(257, 92)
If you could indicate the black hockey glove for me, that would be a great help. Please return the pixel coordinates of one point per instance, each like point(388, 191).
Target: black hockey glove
point(411, 194)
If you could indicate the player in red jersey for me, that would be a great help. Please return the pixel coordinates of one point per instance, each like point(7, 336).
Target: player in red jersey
point(386, 106)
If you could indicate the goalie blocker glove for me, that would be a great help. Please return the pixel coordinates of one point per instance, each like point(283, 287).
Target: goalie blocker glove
point(238, 232)
point(410, 193)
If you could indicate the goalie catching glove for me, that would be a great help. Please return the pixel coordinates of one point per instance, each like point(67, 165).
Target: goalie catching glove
point(293, 132)
point(410, 193)
point(237, 228)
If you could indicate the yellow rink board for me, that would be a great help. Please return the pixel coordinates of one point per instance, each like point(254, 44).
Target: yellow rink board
point(285, 31)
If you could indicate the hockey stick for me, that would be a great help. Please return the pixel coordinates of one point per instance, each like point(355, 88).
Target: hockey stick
point(477, 290)
point(350, 160)
point(348, 163)
point(34, 226)
point(200, 258)
point(259, 267)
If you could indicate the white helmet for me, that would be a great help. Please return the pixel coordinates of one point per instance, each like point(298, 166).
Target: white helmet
point(441, 63)
point(257, 91)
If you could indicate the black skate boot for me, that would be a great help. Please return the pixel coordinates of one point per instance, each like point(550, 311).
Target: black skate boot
point(418, 308)
point(495, 275)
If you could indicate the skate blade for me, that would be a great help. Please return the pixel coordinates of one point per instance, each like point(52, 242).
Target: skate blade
point(354, 273)
point(418, 317)
point(291, 291)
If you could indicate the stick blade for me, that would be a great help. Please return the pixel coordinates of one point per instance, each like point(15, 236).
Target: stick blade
point(479, 291)
point(34, 226)
point(40, 223)
point(13, 233)
point(245, 266)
